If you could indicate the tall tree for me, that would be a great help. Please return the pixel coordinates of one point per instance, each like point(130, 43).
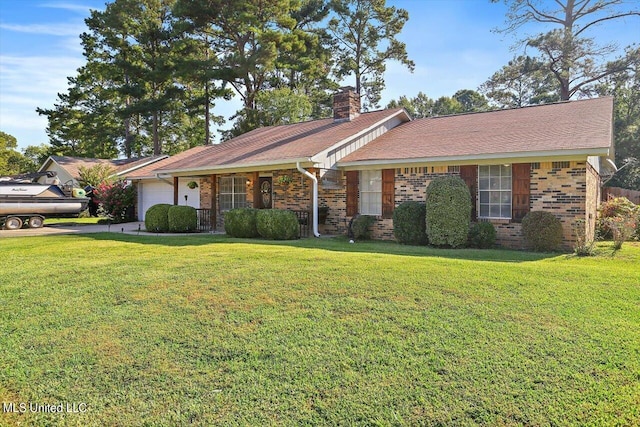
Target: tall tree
point(463, 101)
point(418, 107)
point(574, 58)
point(12, 162)
point(365, 37)
point(261, 45)
point(523, 81)
point(625, 88)
point(471, 101)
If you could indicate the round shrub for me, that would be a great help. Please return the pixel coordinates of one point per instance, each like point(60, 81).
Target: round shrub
point(448, 212)
point(482, 235)
point(360, 227)
point(157, 218)
point(241, 222)
point(182, 219)
point(409, 223)
point(277, 224)
point(542, 231)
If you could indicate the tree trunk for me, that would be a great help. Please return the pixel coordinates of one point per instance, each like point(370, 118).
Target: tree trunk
point(157, 150)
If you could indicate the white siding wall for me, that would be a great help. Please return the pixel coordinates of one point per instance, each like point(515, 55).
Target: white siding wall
point(152, 192)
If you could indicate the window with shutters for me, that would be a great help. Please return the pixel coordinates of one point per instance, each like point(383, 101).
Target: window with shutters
point(233, 192)
point(371, 192)
point(494, 191)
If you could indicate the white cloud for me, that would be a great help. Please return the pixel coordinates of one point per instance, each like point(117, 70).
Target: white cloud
point(58, 29)
point(29, 82)
point(82, 9)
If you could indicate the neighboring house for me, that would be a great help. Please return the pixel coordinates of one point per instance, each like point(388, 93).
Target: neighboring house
point(68, 168)
point(514, 161)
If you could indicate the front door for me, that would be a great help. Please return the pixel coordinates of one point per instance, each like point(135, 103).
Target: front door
point(265, 192)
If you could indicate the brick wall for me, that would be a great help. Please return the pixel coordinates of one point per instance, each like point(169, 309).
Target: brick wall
point(293, 196)
point(593, 198)
point(568, 191)
point(561, 191)
point(410, 184)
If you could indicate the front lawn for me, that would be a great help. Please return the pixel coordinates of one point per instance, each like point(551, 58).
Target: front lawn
point(204, 330)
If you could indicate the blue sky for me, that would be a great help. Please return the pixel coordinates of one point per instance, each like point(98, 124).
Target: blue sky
point(450, 42)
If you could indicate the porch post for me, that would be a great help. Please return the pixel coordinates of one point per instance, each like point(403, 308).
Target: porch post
point(175, 190)
point(256, 190)
point(214, 208)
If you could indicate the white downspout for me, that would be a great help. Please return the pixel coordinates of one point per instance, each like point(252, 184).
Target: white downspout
point(313, 178)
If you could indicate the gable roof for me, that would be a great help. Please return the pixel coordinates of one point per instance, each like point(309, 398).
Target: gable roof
point(279, 145)
point(578, 128)
point(121, 166)
point(150, 170)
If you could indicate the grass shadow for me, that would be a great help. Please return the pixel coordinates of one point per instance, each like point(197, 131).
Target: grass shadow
point(334, 244)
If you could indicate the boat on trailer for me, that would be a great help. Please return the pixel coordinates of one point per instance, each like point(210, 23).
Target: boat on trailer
point(26, 199)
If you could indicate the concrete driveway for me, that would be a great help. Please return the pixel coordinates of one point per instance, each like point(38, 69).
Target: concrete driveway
point(130, 227)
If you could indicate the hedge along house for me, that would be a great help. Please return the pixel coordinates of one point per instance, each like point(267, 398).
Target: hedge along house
point(285, 167)
point(541, 158)
point(536, 158)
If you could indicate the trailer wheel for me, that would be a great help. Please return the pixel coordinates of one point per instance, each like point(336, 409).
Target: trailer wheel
point(36, 222)
point(13, 223)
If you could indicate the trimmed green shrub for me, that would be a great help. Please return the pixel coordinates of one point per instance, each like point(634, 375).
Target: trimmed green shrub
point(482, 235)
point(156, 219)
point(277, 224)
point(542, 231)
point(448, 212)
point(182, 219)
point(361, 227)
point(409, 224)
point(241, 222)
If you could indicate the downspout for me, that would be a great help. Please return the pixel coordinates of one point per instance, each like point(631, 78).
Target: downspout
point(313, 178)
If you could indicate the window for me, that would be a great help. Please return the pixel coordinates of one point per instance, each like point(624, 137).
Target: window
point(233, 192)
point(560, 165)
point(371, 192)
point(494, 190)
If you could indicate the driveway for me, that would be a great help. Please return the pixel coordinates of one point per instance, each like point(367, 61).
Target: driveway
point(130, 227)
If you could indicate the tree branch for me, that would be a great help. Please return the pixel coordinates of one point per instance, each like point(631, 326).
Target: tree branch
point(605, 19)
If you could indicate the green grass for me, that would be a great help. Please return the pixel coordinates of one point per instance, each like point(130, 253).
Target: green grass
point(72, 221)
point(204, 330)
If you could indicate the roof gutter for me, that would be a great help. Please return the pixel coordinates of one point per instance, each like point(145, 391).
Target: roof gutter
point(270, 164)
point(485, 158)
point(313, 178)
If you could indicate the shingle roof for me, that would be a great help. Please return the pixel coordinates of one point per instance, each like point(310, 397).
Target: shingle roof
point(278, 144)
point(150, 171)
point(72, 164)
point(584, 125)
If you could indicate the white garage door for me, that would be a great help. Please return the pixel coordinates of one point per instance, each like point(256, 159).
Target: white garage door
point(151, 193)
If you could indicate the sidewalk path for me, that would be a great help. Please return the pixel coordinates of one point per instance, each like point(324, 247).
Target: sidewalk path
point(128, 228)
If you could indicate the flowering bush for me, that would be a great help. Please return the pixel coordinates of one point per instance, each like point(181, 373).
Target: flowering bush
point(617, 207)
point(116, 200)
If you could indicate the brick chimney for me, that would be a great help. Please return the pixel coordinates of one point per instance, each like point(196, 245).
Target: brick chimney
point(346, 104)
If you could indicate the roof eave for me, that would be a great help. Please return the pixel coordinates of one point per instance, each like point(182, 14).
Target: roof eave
point(517, 157)
point(147, 163)
point(237, 167)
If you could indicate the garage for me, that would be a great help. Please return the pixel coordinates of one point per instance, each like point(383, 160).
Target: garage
point(154, 191)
